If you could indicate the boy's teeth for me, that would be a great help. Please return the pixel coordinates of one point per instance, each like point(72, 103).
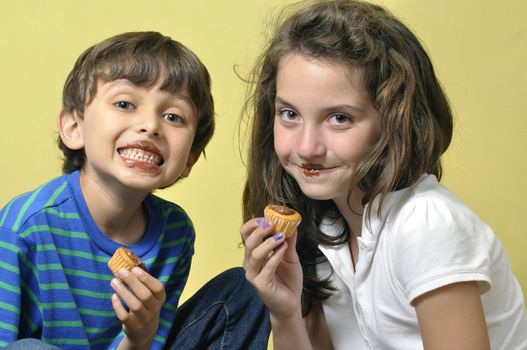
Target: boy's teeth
point(143, 156)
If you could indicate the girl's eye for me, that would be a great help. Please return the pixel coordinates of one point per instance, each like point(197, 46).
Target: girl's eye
point(124, 105)
point(288, 115)
point(173, 118)
point(340, 119)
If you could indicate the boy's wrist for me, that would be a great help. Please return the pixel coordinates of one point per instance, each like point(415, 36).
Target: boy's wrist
point(127, 344)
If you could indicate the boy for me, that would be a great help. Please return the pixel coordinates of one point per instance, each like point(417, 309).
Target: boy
point(137, 113)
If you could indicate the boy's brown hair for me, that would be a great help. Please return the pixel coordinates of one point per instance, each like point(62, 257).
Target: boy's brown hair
point(142, 58)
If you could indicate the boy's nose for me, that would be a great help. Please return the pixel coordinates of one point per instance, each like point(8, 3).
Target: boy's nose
point(311, 143)
point(149, 124)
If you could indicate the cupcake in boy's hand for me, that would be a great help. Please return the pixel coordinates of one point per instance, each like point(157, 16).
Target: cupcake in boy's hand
point(124, 257)
point(284, 219)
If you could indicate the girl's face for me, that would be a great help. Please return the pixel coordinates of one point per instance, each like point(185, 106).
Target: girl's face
point(324, 124)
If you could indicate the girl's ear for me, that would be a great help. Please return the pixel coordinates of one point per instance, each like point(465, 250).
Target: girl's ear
point(70, 130)
point(192, 159)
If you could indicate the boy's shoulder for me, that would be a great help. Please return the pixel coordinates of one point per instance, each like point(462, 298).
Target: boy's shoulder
point(42, 199)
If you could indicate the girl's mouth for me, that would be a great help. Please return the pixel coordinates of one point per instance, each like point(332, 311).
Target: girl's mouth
point(311, 170)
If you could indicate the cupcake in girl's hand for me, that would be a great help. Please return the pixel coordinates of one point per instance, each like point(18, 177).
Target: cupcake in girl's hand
point(284, 219)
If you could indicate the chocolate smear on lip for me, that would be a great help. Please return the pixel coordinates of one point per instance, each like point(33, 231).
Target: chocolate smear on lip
point(144, 145)
point(311, 172)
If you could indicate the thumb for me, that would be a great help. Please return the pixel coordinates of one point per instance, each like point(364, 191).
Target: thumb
point(290, 253)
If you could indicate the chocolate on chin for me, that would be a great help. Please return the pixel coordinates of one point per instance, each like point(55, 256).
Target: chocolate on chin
point(284, 219)
point(124, 258)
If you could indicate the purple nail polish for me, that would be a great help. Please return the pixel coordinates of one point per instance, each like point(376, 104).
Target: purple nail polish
point(259, 220)
point(278, 236)
point(266, 224)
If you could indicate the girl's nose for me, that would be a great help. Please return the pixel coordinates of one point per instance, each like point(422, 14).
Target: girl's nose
point(311, 143)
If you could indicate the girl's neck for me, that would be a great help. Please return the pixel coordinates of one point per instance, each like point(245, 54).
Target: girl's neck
point(352, 213)
point(120, 216)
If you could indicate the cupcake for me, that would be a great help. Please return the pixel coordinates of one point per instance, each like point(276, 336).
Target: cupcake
point(124, 257)
point(284, 219)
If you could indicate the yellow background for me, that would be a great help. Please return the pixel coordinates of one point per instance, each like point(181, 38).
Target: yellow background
point(479, 48)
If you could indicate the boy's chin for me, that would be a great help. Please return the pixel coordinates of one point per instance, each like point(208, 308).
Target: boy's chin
point(169, 185)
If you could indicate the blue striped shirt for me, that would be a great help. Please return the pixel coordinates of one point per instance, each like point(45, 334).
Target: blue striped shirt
point(54, 278)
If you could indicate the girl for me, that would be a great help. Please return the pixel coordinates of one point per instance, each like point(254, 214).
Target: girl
point(349, 126)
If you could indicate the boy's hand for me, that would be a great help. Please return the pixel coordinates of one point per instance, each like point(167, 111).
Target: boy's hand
point(144, 298)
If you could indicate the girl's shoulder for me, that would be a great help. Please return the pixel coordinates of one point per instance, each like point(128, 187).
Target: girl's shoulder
point(428, 201)
point(427, 211)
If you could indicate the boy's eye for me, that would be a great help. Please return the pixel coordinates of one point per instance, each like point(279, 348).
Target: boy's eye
point(124, 105)
point(173, 118)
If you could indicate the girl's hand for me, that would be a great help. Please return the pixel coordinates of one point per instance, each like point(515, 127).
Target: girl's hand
point(272, 266)
point(144, 296)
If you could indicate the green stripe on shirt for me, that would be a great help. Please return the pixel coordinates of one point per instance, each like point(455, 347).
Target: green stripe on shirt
point(26, 205)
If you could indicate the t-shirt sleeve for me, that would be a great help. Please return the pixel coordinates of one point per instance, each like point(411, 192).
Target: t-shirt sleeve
point(185, 260)
point(18, 289)
point(438, 242)
point(182, 253)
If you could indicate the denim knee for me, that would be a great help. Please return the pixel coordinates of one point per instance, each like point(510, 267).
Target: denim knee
point(30, 344)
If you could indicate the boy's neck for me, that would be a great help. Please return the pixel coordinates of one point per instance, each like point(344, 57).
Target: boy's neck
point(119, 215)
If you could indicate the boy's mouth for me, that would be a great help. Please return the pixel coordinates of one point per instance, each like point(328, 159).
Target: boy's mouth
point(141, 154)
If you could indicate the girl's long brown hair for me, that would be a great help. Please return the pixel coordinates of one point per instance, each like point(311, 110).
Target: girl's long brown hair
point(416, 120)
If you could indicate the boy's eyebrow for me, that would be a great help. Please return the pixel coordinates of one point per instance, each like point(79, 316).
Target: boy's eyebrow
point(118, 82)
point(126, 82)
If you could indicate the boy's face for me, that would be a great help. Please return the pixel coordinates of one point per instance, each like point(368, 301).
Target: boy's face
point(136, 137)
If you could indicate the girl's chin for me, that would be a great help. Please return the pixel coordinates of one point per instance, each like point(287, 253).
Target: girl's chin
point(318, 195)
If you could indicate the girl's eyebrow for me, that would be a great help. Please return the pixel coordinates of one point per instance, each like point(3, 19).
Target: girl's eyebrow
point(282, 101)
point(333, 108)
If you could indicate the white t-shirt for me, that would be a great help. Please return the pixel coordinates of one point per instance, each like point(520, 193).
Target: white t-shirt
point(430, 239)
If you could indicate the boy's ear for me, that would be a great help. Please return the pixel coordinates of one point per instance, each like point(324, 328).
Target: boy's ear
point(192, 159)
point(70, 129)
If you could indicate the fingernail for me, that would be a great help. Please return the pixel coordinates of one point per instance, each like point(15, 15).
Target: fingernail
point(278, 236)
point(266, 224)
point(124, 273)
point(137, 271)
point(259, 220)
point(115, 283)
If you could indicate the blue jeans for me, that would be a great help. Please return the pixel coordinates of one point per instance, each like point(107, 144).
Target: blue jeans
point(226, 313)
point(30, 344)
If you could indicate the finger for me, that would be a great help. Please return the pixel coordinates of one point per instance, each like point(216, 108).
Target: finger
point(291, 254)
point(150, 291)
point(259, 256)
point(127, 296)
point(120, 311)
point(269, 268)
point(249, 227)
point(253, 233)
point(260, 231)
